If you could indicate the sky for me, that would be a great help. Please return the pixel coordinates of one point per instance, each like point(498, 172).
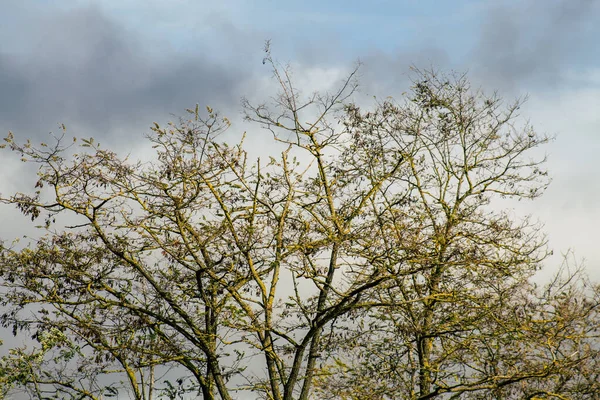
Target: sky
point(109, 68)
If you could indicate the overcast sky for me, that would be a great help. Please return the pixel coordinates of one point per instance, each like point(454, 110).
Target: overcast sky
point(110, 68)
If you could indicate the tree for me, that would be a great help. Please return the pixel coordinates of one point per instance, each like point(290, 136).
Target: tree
point(521, 344)
point(371, 232)
point(461, 318)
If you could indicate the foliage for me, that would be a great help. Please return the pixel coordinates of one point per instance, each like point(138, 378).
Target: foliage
point(367, 260)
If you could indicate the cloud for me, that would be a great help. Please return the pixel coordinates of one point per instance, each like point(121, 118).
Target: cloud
point(83, 68)
point(384, 75)
point(529, 43)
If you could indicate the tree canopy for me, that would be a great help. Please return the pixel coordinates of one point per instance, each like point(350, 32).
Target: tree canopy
point(369, 259)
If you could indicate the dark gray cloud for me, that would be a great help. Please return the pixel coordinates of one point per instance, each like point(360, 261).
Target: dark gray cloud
point(84, 69)
point(529, 43)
